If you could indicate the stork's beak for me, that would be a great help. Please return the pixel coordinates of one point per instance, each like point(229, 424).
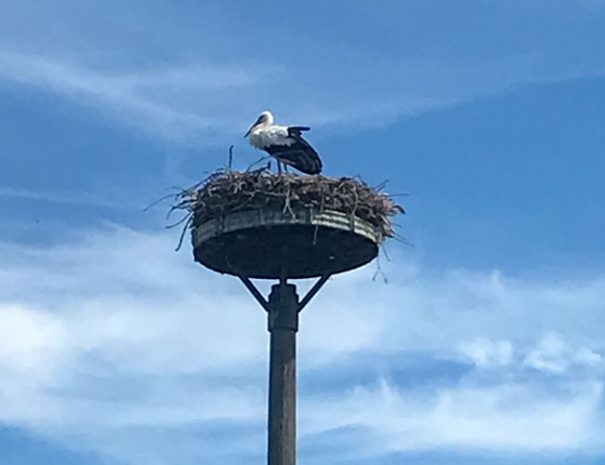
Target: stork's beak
point(256, 123)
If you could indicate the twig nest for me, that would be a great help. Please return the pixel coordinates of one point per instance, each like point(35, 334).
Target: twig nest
point(265, 225)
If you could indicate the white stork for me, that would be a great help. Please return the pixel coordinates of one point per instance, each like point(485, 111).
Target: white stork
point(284, 143)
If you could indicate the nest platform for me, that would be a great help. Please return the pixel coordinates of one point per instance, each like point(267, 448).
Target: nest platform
point(271, 226)
point(268, 243)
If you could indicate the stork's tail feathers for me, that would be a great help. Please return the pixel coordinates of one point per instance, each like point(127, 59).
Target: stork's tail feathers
point(299, 154)
point(305, 161)
point(311, 164)
point(296, 130)
point(296, 151)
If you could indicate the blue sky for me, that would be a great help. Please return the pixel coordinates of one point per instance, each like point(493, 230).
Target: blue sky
point(485, 345)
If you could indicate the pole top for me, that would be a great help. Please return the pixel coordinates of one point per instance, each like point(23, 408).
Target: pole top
point(283, 307)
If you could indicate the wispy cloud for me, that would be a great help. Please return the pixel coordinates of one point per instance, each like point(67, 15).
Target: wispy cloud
point(487, 353)
point(206, 101)
point(73, 198)
point(157, 100)
point(553, 354)
point(508, 417)
point(108, 338)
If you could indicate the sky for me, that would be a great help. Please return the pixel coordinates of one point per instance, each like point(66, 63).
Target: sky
point(478, 339)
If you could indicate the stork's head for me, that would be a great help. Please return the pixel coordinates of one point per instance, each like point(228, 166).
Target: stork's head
point(264, 119)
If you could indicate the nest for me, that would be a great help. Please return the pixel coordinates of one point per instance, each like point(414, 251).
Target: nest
point(231, 191)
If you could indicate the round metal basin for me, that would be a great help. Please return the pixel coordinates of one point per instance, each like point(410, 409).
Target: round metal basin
point(269, 243)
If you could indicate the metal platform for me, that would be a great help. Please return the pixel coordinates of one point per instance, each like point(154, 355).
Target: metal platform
point(272, 244)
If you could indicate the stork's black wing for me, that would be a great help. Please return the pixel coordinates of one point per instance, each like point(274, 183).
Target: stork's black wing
point(299, 154)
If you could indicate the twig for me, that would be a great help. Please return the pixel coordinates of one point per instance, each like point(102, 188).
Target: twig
point(181, 221)
point(160, 200)
point(287, 207)
point(230, 165)
point(260, 160)
point(379, 272)
point(183, 232)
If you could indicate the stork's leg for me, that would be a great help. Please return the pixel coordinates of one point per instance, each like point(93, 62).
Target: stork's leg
point(285, 167)
point(278, 166)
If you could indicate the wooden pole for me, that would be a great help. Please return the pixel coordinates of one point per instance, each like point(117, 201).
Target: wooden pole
point(283, 325)
point(283, 308)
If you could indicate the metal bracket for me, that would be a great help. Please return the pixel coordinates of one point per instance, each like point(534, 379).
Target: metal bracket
point(302, 304)
point(314, 290)
point(255, 292)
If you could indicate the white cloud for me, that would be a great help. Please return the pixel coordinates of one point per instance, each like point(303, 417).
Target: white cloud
point(552, 354)
point(487, 353)
point(113, 331)
point(28, 338)
point(508, 417)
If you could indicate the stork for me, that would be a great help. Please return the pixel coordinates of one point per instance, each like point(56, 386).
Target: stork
point(284, 143)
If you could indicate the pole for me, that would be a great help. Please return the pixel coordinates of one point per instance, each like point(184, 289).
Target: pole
point(283, 325)
point(283, 308)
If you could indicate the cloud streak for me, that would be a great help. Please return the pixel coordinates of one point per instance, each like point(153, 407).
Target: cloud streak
point(74, 198)
point(203, 102)
point(138, 97)
point(506, 417)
